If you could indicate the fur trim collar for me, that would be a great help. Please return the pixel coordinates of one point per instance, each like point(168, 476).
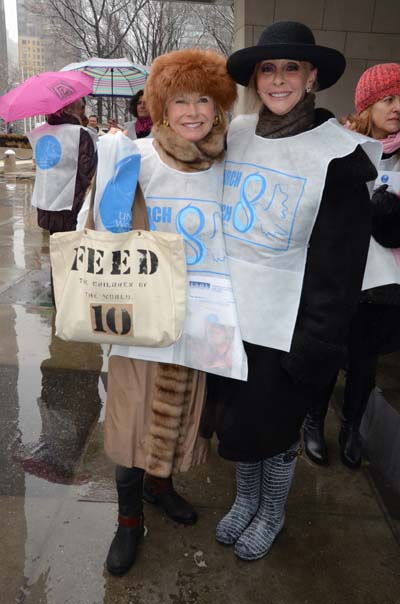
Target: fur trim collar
point(187, 156)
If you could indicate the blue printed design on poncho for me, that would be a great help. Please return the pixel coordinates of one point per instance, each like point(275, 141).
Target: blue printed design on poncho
point(116, 202)
point(199, 221)
point(47, 152)
point(260, 204)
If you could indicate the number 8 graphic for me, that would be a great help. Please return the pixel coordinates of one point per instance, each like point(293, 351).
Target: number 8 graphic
point(195, 244)
point(244, 205)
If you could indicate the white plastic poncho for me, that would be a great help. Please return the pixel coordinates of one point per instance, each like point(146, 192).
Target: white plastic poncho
point(383, 264)
point(55, 150)
point(190, 204)
point(272, 193)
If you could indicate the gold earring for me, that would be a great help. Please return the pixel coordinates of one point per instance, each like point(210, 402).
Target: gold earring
point(166, 123)
point(216, 120)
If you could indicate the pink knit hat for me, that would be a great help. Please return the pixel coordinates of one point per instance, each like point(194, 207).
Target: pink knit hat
point(376, 83)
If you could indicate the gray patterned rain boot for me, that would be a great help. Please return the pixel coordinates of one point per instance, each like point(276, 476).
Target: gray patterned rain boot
point(248, 483)
point(278, 471)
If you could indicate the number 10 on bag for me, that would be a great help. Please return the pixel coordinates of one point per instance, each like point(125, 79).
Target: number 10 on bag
point(112, 319)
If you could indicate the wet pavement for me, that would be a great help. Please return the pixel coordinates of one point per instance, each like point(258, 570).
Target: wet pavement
point(57, 504)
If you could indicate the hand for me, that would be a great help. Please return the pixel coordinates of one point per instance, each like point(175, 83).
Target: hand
point(116, 130)
point(112, 123)
point(378, 194)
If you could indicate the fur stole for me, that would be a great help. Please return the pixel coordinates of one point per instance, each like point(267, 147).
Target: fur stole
point(174, 383)
point(187, 156)
point(170, 402)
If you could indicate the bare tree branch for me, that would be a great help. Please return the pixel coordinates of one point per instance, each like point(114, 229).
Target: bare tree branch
point(218, 25)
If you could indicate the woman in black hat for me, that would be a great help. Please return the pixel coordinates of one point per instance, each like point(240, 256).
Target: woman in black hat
point(297, 226)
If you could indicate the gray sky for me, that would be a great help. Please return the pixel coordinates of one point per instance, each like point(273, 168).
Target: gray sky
point(11, 19)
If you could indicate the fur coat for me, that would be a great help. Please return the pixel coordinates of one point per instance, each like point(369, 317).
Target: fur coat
point(154, 409)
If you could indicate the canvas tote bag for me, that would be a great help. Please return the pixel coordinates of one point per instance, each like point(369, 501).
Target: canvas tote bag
point(119, 288)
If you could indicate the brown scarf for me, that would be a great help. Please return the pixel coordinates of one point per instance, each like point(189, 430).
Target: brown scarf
point(187, 156)
point(299, 119)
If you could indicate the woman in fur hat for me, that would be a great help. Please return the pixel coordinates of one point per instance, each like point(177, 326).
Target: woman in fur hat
point(154, 408)
point(375, 328)
point(295, 186)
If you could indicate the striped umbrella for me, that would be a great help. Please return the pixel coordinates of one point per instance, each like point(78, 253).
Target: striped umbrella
point(112, 77)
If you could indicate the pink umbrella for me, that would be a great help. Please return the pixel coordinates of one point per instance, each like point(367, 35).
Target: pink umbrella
point(44, 93)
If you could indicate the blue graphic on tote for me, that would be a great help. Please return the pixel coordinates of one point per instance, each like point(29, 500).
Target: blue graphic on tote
point(117, 199)
point(260, 204)
point(47, 152)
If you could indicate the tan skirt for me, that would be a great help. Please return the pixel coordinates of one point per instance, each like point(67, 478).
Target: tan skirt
point(131, 429)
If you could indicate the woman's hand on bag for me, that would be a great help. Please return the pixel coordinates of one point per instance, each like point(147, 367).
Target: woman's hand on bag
point(116, 130)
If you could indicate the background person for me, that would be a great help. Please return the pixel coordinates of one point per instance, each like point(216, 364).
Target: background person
point(141, 126)
point(93, 129)
point(296, 189)
point(93, 123)
point(66, 160)
point(375, 328)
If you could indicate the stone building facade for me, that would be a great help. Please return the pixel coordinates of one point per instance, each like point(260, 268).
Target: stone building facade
point(365, 31)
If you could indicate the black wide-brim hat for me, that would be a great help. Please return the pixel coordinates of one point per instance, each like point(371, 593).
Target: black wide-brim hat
point(288, 40)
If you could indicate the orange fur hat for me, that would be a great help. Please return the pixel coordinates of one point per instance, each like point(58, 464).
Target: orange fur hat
point(187, 71)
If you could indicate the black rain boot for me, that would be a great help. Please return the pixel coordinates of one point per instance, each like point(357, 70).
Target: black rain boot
point(313, 429)
point(160, 491)
point(123, 549)
point(360, 380)
point(350, 445)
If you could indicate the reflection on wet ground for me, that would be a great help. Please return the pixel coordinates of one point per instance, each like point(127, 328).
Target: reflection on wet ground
point(51, 394)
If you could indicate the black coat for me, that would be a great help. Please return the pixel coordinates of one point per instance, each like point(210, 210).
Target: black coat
point(262, 417)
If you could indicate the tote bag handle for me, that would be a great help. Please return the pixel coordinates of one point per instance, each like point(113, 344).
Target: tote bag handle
point(139, 211)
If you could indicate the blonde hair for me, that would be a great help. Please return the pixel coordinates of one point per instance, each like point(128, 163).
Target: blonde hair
point(359, 122)
point(252, 101)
